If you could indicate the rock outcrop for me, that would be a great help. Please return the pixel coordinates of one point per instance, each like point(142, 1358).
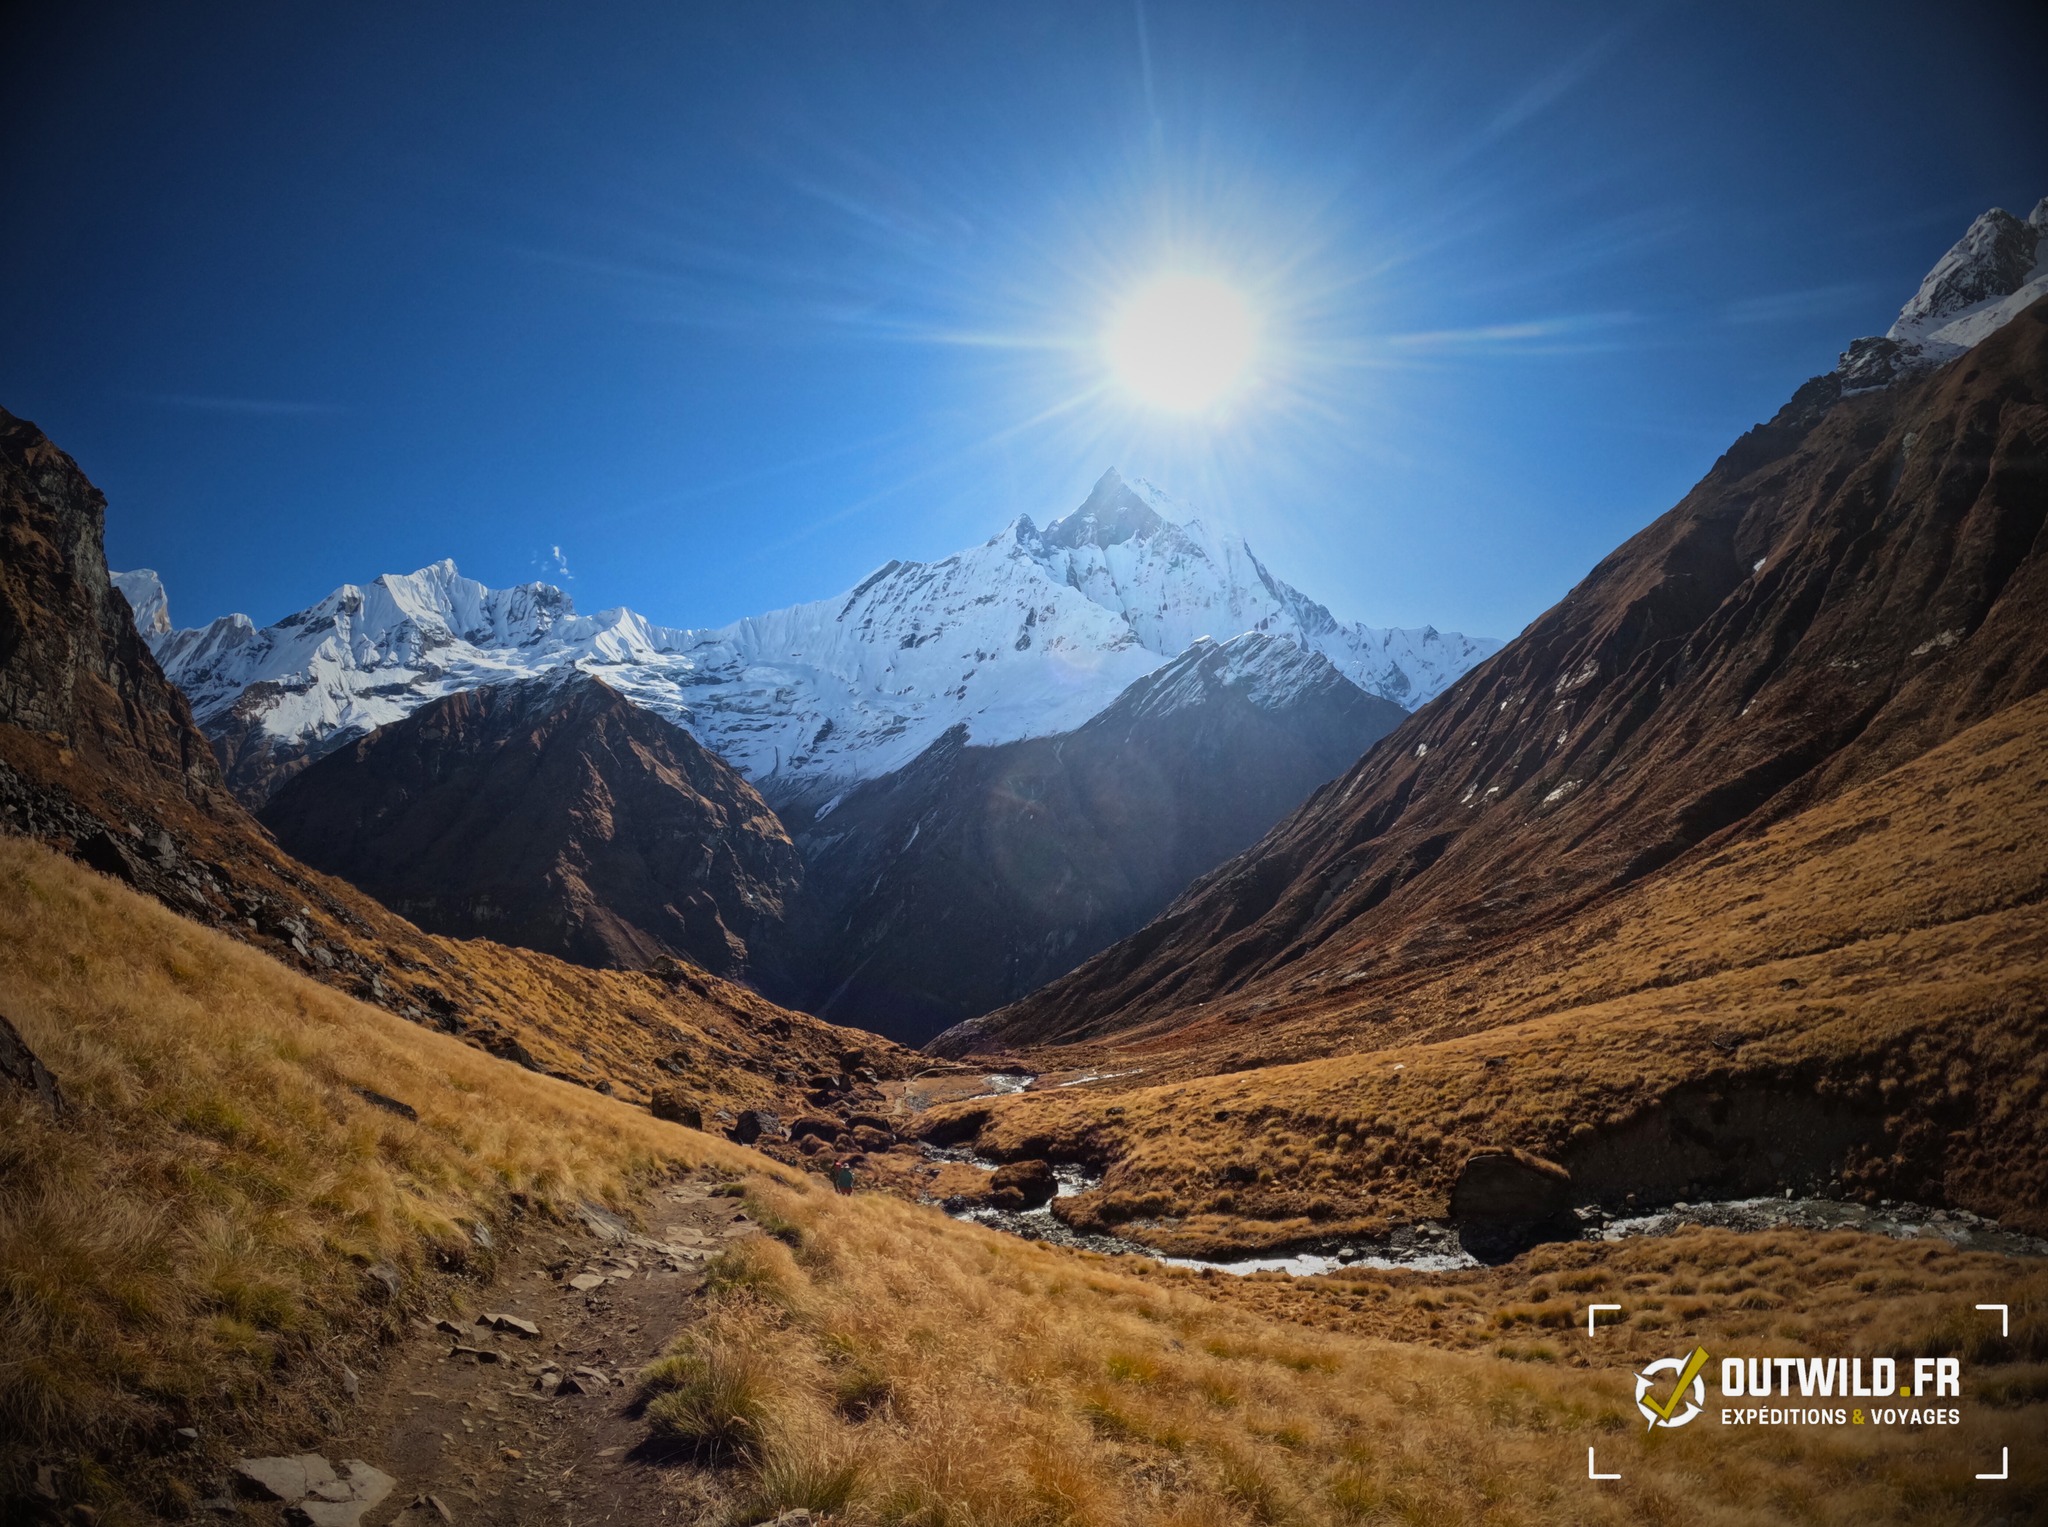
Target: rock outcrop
point(1505, 1199)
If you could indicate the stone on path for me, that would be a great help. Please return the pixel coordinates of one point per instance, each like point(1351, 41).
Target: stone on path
point(502, 1322)
point(313, 1494)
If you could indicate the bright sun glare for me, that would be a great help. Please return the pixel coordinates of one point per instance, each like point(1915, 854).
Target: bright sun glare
point(1182, 341)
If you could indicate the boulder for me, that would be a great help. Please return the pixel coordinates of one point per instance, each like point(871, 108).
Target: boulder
point(1506, 1200)
point(666, 1103)
point(1022, 1185)
point(752, 1124)
point(870, 1139)
point(813, 1124)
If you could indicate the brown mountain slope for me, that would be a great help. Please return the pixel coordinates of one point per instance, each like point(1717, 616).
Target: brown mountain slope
point(976, 873)
point(554, 815)
point(1853, 999)
point(99, 758)
point(1853, 583)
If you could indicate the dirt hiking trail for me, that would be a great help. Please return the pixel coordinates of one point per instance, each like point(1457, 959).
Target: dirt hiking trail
point(522, 1410)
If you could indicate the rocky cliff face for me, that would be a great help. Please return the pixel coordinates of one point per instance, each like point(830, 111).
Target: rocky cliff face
point(554, 815)
point(976, 873)
point(1852, 584)
point(73, 669)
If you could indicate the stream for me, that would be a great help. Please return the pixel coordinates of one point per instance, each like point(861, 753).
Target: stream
point(1433, 1245)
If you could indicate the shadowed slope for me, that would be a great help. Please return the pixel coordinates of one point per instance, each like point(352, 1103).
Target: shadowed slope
point(554, 815)
point(977, 873)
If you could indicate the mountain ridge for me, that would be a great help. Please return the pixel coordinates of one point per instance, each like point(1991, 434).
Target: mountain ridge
point(1028, 634)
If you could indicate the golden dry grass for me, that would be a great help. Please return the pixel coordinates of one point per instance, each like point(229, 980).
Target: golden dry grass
point(1795, 1292)
point(1887, 950)
point(1003, 1382)
point(189, 1247)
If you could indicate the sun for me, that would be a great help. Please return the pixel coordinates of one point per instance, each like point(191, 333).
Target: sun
point(1182, 342)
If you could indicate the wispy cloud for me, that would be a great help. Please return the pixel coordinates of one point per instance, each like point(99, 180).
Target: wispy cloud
point(555, 564)
point(272, 408)
point(1787, 307)
point(1535, 335)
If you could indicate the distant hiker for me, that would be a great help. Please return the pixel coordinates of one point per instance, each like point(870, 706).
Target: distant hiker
point(842, 1177)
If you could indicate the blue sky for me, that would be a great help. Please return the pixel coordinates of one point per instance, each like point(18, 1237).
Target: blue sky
point(709, 309)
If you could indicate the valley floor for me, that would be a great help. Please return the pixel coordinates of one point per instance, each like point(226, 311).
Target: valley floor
point(223, 1232)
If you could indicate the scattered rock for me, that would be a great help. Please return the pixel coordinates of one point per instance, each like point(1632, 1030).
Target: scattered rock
point(502, 1322)
point(594, 1376)
point(752, 1124)
point(18, 1064)
point(388, 1104)
point(475, 1354)
point(342, 1502)
point(383, 1280)
point(432, 1503)
point(1022, 1185)
point(283, 1479)
point(604, 1224)
point(449, 1328)
point(584, 1282)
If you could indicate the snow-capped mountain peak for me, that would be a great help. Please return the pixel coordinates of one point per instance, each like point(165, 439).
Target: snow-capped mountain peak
point(1995, 271)
point(144, 591)
point(1028, 634)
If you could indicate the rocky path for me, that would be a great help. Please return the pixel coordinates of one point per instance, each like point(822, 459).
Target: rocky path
point(520, 1410)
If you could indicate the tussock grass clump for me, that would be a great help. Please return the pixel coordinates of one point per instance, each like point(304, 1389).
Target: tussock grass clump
point(711, 1395)
point(193, 1243)
point(758, 1267)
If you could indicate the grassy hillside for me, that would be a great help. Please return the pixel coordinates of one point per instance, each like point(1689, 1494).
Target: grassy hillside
point(191, 1245)
point(1874, 969)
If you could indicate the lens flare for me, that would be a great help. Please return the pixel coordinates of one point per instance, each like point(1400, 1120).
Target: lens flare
point(1182, 342)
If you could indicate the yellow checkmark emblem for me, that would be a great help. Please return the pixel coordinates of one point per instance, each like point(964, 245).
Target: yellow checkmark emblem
point(1691, 1371)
